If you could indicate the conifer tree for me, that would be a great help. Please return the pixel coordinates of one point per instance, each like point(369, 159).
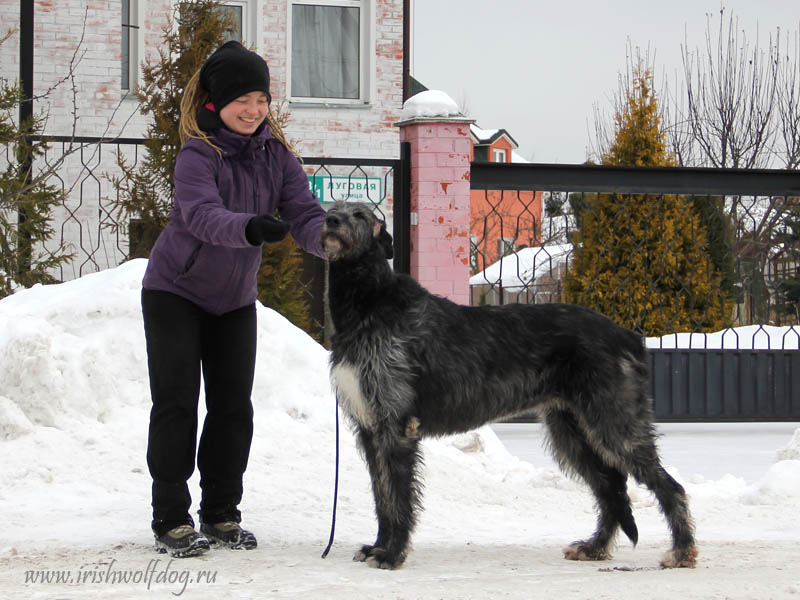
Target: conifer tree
point(26, 199)
point(642, 260)
point(787, 284)
point(191, 34)
point(279, 287)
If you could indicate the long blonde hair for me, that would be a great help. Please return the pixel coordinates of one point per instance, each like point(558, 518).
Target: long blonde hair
point(194, 98)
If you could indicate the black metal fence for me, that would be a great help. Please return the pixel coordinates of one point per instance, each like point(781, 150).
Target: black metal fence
point(722, 330)
point(89, 226)
point(525, 239)
point(382, 184)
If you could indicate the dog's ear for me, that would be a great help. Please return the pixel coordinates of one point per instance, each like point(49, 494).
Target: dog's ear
point(384, 239)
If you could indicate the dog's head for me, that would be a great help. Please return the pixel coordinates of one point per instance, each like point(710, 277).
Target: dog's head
point(352, 229)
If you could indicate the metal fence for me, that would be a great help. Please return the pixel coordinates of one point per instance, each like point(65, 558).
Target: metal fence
point(383, 185)
point(525, 238)
point(723, 334)
point(88, 225)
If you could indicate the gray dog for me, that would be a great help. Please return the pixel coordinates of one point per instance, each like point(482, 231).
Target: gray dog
point(407, 364)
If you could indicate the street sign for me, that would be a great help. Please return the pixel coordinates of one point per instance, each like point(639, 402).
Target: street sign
point(329, 189)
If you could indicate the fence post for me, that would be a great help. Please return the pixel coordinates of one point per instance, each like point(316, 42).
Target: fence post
point(440, 166)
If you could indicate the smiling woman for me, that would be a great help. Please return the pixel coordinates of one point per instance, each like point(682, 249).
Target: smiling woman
point(232, 174)
point(245, 114)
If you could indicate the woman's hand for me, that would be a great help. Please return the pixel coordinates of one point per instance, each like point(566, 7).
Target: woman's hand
point(266, 228)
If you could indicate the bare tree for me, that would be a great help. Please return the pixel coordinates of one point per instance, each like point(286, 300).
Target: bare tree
point(788, 105)
point(32, 181)
point(731, 98)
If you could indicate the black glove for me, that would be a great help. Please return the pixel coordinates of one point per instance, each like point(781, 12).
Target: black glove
point(265, 228)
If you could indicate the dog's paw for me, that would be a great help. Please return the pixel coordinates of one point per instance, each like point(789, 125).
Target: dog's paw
point(363, 553)
point(382, 559)
point(680, 557)
point(585, 551)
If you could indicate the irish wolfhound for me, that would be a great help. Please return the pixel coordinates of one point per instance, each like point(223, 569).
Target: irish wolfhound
point(407, 364)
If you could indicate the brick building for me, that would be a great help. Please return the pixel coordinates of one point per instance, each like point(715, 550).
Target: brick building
point(500, 222)
point(86, 64)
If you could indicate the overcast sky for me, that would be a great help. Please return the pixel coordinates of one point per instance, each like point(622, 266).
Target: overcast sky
point(536, 68)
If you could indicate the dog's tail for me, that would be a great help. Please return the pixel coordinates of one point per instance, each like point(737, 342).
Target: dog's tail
point(628, 524)
point(620, 504)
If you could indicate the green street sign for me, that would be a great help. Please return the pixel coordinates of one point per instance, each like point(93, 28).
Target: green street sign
point(331, 189)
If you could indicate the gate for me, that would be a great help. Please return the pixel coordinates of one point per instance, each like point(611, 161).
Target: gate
point(522, 248)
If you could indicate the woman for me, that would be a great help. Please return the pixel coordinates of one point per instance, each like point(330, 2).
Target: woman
point(233, 172)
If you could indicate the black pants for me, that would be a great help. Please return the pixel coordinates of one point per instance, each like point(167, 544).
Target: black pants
point(182, 338)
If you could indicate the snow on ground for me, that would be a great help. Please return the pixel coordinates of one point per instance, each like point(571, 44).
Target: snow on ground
point(75, 491)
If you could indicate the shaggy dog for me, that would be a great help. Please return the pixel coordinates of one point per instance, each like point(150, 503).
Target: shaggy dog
point(407, 364)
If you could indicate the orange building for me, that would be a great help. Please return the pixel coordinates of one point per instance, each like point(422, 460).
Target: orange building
point(501, 222)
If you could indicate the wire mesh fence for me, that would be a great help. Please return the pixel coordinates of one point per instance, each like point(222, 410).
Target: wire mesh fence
point(680, 255)
point(90, 228)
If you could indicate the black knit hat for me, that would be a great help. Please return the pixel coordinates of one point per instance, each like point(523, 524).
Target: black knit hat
point(233, 71)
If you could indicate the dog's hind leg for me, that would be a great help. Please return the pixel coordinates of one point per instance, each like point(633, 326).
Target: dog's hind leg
point(647, 469)
point(574, 453)
point(392, 460)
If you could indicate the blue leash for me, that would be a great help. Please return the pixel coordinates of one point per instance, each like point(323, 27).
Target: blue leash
point(335, 485)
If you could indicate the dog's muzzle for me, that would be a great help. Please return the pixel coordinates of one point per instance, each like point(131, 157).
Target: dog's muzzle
point(331, 242)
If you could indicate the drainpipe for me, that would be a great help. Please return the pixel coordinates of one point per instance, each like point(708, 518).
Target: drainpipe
point(406, 49)
point(25, 113)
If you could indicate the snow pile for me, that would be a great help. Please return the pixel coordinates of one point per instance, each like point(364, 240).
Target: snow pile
point(56, 347)
point(791, 451)
point(429, 104)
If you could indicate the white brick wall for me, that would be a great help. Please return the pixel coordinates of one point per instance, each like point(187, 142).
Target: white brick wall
point(93, 96)
point(59, 26)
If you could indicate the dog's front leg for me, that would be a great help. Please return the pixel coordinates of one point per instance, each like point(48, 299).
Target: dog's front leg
point(366, 442)
point(392, 460)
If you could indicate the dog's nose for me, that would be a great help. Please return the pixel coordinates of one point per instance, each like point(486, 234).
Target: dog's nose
point(332, 220)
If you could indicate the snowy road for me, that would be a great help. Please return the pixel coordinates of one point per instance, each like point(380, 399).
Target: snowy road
point(707, 450)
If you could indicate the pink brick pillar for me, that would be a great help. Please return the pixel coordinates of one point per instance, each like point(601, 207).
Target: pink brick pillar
point(440, 157)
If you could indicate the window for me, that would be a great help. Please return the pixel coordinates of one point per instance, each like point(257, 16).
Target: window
point(473, 252)
point(236, 13)
point(129, 68)
point(499, 155)
point(505, 246)
point(328, 50)
point(243, 15)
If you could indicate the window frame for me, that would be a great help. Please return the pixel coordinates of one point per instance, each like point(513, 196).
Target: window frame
point(366, 54)
point(505, 247)
point(135, 46)
point(499, 153)
point(249, 30)
point(251, 19)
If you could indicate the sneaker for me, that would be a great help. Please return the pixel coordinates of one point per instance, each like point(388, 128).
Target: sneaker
point(181, 542)
point(229, 534)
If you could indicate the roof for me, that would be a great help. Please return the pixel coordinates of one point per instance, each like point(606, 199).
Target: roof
point(523, 267)
point(486, 137)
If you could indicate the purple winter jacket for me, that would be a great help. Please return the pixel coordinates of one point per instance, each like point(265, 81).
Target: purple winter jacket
point(202, 254)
